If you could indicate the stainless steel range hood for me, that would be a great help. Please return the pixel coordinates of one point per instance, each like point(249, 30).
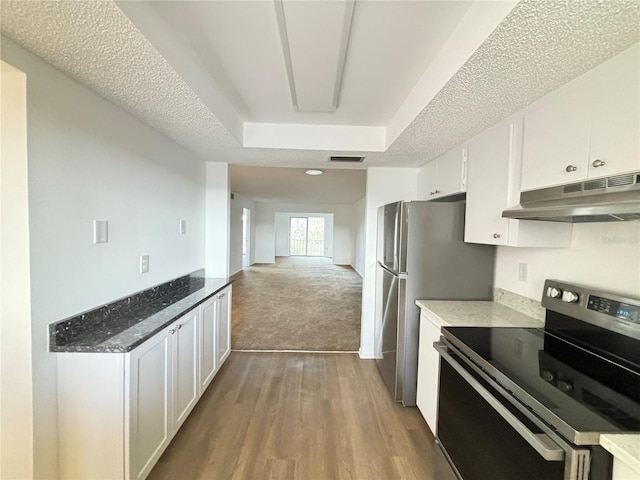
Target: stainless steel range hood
point(610, 199)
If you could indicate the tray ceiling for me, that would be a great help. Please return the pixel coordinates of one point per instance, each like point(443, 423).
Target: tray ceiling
point(401, 82)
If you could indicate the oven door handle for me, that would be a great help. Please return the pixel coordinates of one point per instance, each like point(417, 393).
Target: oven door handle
point(540, 442)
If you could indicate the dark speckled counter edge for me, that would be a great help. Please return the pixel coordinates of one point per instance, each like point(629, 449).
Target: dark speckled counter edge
point(122, 325)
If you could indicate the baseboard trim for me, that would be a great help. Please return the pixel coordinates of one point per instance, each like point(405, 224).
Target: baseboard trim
point(366, 355)
point(294, 351)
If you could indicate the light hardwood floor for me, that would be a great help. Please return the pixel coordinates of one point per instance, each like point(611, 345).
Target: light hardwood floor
point(301, 416)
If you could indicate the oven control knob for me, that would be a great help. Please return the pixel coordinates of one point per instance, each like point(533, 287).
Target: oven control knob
point(564, 386)
point(554, 292)
point(548, 375)
point(569, 297)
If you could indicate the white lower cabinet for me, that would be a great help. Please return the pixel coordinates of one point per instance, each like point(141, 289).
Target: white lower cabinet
point(149, 378)
point(117, 412)
point(223, 337)
point(184, 366)
point(428, 372)
point(162, 376)
point(215, 335)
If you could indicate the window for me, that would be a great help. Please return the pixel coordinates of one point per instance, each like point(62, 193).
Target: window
point(306, 236)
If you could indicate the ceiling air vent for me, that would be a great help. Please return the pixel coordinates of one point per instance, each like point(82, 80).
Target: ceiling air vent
point(340, 159)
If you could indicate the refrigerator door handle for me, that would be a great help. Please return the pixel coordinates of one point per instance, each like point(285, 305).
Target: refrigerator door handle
point(396, 240)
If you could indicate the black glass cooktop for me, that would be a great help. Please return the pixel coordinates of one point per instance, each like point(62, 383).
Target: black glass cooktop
point(584, 389)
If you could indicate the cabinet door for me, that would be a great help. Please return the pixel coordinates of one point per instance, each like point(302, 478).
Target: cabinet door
point(488, 168)
point(427, 178)
point(185, 366)
point(223, 332)
point(616, 118)
point(452, 172)
point(428, 372)
point(149, 384)
point(208, 324)
point(556, 141)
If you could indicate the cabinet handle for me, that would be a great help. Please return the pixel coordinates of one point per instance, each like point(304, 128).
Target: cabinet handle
point(220, 296)
point(598, 163)
point(571, 168)
point(175, 329)
point(496, 235)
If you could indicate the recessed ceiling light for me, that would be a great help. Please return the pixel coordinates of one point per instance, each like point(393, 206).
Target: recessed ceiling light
point(314, 172)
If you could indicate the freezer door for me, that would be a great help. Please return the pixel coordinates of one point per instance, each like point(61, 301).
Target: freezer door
point(387, 341)
point(389, 248)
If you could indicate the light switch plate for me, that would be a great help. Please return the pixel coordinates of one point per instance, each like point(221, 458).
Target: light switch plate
point(100, 231)
point(144, 263)
point(183, 227)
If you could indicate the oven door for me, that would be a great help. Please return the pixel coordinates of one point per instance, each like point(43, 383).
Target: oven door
point(485, 436)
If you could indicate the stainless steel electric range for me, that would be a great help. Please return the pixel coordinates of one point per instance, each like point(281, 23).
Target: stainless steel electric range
point(531, 403)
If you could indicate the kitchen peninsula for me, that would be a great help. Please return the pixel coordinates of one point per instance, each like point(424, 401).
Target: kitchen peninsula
point(144, 360)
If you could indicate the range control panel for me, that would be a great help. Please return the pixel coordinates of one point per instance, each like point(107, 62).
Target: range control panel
point(620, 313)
point(613, 308)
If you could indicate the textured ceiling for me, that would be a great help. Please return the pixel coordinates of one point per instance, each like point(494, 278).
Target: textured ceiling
point(291, 185)
point(95, 43)
point(541, 45)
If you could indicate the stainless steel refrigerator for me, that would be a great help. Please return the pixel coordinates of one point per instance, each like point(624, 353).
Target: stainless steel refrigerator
point(421, 255)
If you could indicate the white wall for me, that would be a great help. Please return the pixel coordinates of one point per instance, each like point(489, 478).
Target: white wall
point(266, 231)
point(16, 391)
point(282, 222)
point(359, 235)
point(384, 185)
point(91, 160)
point(235, 227)
point(217, 212)
point(603, 255)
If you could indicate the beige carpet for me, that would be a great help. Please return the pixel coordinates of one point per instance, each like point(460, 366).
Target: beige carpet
point(298, 303)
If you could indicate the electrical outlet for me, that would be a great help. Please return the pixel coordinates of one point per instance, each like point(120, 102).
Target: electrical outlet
point(144, 263)
point(183, 227)
point(523, 271)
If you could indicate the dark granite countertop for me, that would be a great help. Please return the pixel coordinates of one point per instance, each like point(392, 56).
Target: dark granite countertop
point(122, 325)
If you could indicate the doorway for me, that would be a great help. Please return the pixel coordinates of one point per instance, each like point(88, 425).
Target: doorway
point(246, 237)
point(306, 236)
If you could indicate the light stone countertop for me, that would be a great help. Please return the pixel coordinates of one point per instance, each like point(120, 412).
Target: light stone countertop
point(625, 447)
point(470, 313)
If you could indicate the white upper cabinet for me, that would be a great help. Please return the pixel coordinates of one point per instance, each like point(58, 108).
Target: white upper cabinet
point(586, 129)
point(556, 143)
point(489, 167)
point(615, 122)
point(493, 186)
point(446, 175)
